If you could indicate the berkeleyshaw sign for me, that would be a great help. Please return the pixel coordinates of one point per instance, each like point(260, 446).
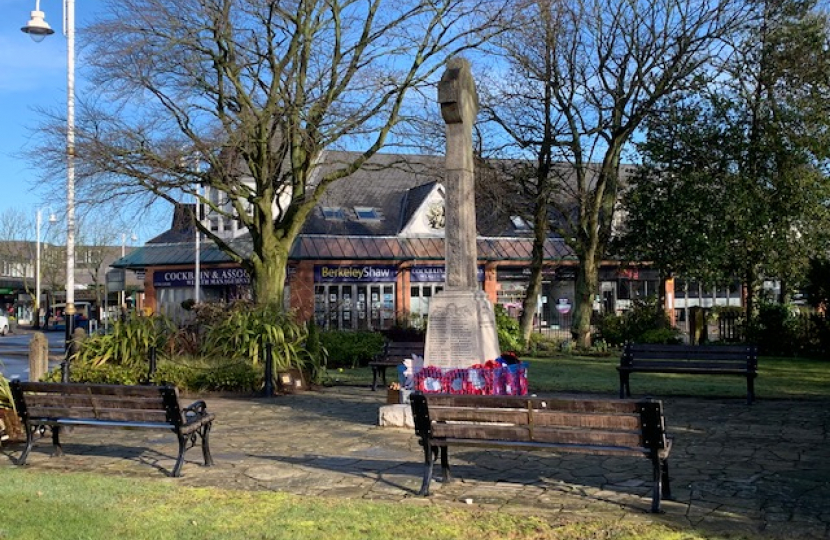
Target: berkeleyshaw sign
point(213, 277)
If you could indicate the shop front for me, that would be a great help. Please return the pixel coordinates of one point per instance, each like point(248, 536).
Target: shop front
point(174, 286)
point(355, 297)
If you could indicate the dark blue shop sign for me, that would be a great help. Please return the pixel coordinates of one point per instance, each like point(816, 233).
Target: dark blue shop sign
point(213, 277)
point(337, 273)
point(436, 274)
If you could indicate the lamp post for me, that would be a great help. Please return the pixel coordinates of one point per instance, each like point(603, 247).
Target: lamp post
point(122, 296)
point(197, 281)
point(38, 28)
point(52, 219)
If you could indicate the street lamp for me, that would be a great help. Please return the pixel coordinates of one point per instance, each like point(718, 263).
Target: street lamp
point(38, 29)
point(122, 298)
point(52, 219)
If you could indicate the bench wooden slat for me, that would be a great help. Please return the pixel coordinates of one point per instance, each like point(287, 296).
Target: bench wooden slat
point(690, 356)
point(107, 423)
point(52, 400)
point(521, 402)
point(94, 389)
point(541, 417)
point(695, 366)
point(705, 349)
point(94, 415)
point(573, 448)
point(587, 437)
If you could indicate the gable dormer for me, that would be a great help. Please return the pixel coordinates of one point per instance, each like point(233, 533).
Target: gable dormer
point(426, 215)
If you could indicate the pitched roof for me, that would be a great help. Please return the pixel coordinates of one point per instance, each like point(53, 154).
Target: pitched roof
point(182, 228)
point(336, 247)
point(393, 184)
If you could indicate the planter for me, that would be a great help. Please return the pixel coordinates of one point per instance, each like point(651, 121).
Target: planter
point(11, 430)
point(397, 397)
point(290, 381)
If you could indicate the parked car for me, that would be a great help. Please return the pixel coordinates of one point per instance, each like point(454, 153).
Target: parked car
point(4, 325)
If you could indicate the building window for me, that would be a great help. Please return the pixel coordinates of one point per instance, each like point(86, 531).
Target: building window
point(333, 212)
point(519, 223)
point(365, 213)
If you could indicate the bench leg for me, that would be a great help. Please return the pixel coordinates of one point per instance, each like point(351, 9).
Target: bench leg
point(429, 460)
point(445, 466)
point(56, 441)
point(374, 378)
point(658, 473)
point(177, 469)
point(30, 441)
point(205, 434)
point(666, 483)
point(625, 387)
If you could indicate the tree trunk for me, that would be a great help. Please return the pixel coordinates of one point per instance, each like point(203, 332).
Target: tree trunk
point(269, 271)
point(534, 286)
point(530, 303)
point(587, 279)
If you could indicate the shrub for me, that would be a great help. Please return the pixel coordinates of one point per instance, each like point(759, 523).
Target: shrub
point(87, 371)
point(317, 355)
point(404, 331)
point(188, 374)
point(351, 349)
point(612, 329)
point(128, 343)
point(542, 345)
point(6, 401)
point(644, 323)
point(200, 376)
point(510, 337)
point(661, 336)
point(775, 330)
point(244, 330)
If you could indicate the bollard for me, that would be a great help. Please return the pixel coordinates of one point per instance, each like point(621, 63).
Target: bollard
point(38, 356)
point(65, 366)
point(269, 370)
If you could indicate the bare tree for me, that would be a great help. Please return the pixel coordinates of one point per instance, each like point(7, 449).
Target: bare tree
point(17, 250)
point(96, 248)
point(245, 96)
point(583, 76)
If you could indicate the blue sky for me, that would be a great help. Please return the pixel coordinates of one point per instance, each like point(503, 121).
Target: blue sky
point(33, 75)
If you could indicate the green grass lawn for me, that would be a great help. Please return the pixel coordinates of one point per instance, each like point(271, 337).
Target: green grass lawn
point(73, 506)
point(777, 378)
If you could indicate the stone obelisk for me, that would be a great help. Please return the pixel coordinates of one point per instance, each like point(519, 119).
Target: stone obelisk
point(461, 328)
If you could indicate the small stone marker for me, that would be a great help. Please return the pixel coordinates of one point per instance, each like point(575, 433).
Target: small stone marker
point(38, 356)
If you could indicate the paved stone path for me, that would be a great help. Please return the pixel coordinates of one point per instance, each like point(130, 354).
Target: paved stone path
point(735, 468)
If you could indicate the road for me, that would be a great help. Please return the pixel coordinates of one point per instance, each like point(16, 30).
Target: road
point(14, 353)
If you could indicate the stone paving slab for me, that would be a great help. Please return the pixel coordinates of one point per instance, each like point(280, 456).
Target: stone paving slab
point(735, 468)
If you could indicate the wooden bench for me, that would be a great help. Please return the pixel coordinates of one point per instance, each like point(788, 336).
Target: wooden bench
point(103, 405)
point(588, 426)
point(394, 352)
point(740, 360)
